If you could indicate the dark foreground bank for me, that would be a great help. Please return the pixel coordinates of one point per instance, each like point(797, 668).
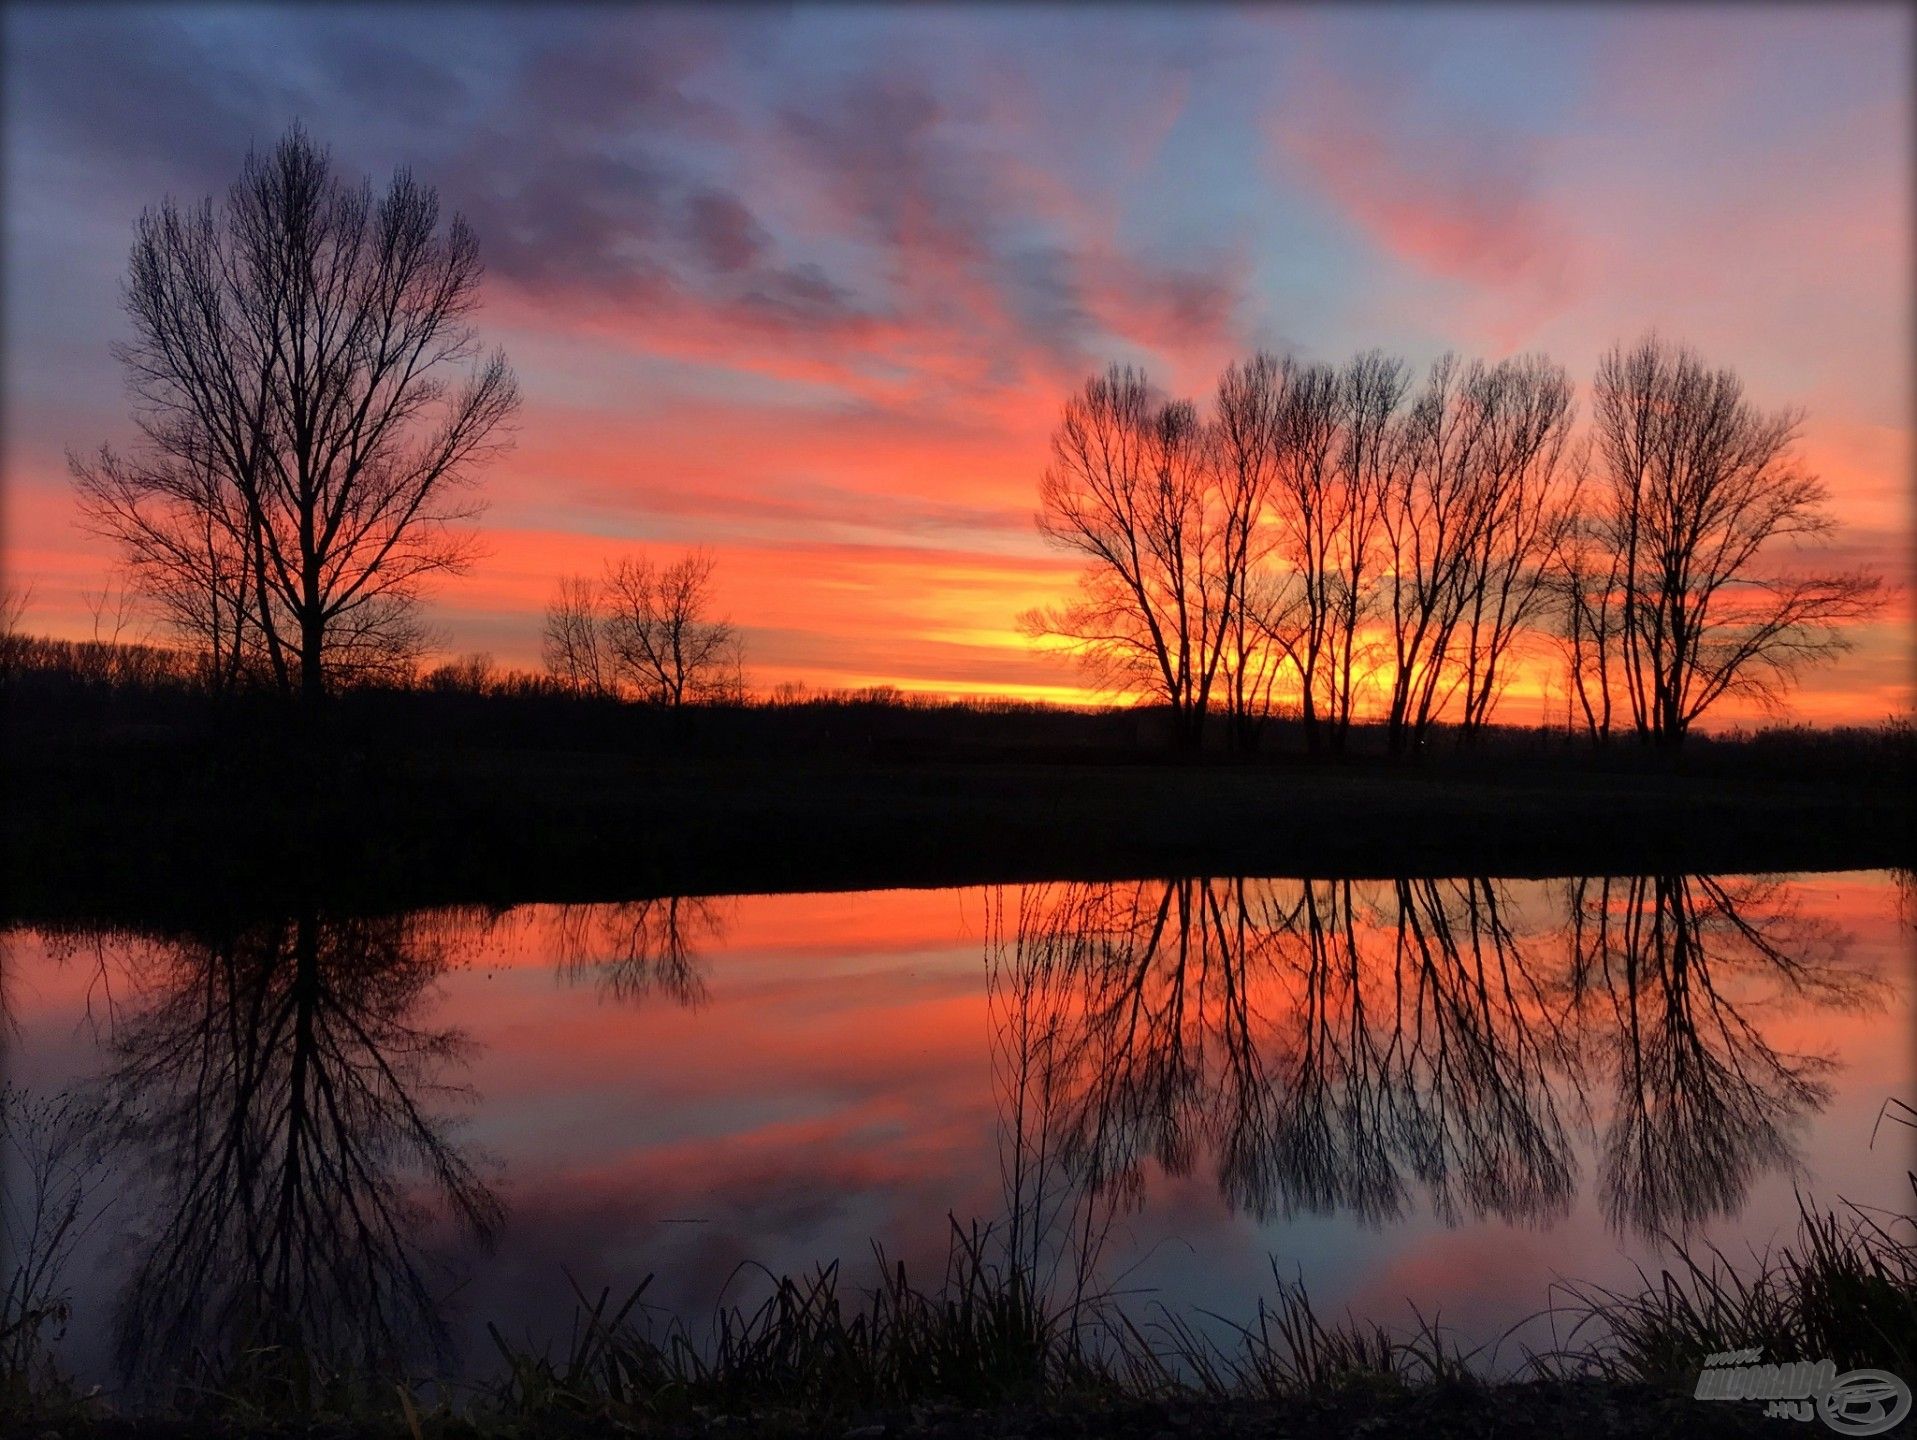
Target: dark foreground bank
point(1549, 1410)
point(145, 826)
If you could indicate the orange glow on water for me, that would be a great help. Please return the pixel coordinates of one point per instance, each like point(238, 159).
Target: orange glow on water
point(837, 1073)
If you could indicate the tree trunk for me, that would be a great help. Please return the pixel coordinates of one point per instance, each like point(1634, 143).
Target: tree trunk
point(312, 671)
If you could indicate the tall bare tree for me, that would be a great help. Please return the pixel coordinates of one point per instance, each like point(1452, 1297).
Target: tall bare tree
point(1699, 489)
point(312, 405)
point(1521, 497)
point(663, 635)
point(1432, 517)
point(1584, 579)
point(1334, 446)
point(1372, 387)
point(1247, 425)
point(1305, 451)
point(1131, 489)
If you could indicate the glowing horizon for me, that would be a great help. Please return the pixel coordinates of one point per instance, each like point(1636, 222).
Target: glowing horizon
point(809, 289)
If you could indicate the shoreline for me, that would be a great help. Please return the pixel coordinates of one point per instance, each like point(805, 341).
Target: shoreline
point(142, 830)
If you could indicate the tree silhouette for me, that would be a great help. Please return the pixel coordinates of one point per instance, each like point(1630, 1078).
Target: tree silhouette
point(1699, 486)
point(1132, 488)
point(645, 629)
point(312, 406)
point(1320, 532)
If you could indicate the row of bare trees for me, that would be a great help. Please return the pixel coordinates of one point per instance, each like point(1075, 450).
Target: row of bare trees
point(1333, 536)
point(647, 631)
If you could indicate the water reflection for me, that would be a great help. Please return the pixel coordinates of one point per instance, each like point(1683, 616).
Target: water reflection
point(1342, 1045)
point(1705, 1100)
point(279, 1095)
point(638, 948)
point(279, 1092)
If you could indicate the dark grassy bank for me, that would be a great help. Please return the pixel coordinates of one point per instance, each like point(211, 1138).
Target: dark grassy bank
point(129, 799)
point(993, 1351)
point(1548, 1410)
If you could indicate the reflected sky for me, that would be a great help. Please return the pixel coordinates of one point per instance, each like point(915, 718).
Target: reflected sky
point(1449, 1092)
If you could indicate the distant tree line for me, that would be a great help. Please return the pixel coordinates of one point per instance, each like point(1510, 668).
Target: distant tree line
point(1333, 534)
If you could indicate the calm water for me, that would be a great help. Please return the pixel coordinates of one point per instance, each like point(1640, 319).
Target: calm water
point(1448, 1092)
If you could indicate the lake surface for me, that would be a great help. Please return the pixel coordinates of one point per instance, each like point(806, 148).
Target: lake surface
point(1451, 1093)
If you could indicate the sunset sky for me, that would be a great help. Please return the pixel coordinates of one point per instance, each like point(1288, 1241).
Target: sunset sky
point(808, 286)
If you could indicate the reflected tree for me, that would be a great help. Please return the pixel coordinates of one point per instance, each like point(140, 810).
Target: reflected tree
point(1414, 1048)
point(1478, 1050)
point(285, 1099)
point(1334, 1044)
point(1330, 1146)
point(1055, 1220)
point(1672, 974)
point(639, 948)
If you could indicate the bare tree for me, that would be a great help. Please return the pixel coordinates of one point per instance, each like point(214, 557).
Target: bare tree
point(184, 538)
point(1432, 517)
point(662, 634)
point(1246, 428)
point(1334, 446)
point(1372, 387)
point(1474, 507)
point(1131, 489)
point(1306, 447)
point(1698, 488)
point(15, 645)
point(312, 405)
point(1585, 581)
point(1262, 641)
point(1521, 495)
point(576, 646)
